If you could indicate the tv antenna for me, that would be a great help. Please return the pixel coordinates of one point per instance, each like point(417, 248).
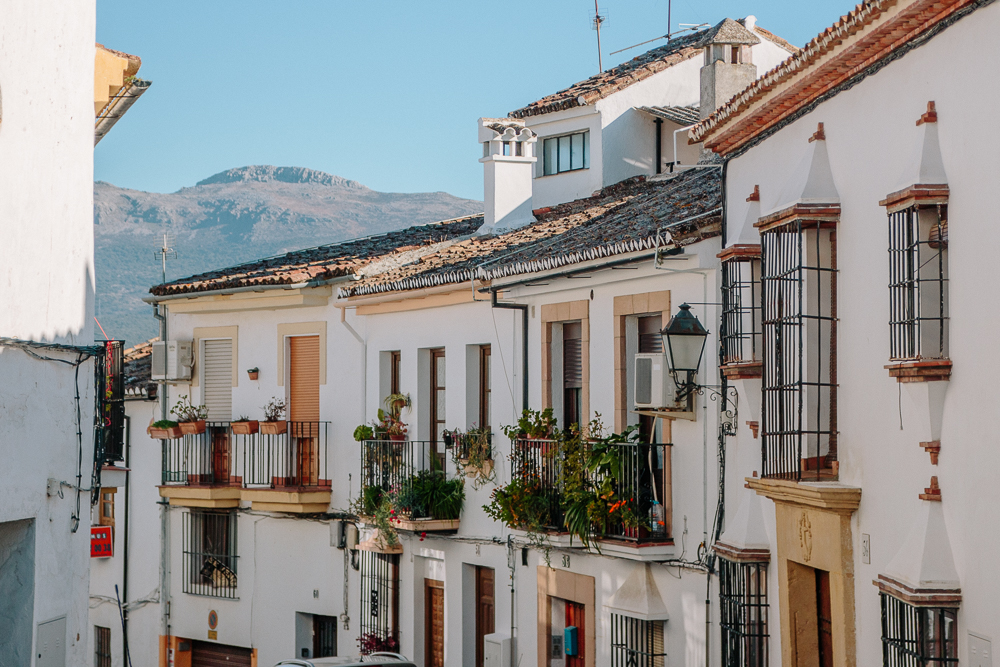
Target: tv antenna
point(684, 27)
point(165, 252)
point(596, 23)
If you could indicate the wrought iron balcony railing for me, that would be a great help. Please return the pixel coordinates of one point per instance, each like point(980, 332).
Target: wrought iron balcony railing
point(412, 475)
point(296, 458)
point(204, 459)
point(536, 464)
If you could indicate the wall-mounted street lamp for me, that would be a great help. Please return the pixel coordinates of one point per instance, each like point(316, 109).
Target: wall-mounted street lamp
point(684, 343)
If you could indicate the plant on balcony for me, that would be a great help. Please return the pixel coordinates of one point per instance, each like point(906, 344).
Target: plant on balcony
point(274, 412)
point(364, 432)
point(164, 429)
point(368, 502)
point(391, 425)
point(472, 453)
point(533, 424)
point(244, 425)
point(372, 642)
point(437, 496)
point(522, 503)
point(191, 417)
point(396, 403)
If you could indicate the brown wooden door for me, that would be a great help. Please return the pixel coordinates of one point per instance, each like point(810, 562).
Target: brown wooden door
point(434, 623)
point(824, 618)
point(575, 613)
point(303, 397)
point(485, 609)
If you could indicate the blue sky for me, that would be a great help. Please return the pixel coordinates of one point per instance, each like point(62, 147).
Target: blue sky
point(385, 93)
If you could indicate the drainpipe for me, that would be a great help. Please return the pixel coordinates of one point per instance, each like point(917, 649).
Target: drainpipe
point(164, 508)
point(659, 145)
point(128, 476)
point(524, 342)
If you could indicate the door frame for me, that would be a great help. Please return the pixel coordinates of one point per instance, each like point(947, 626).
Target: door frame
point(430, 585)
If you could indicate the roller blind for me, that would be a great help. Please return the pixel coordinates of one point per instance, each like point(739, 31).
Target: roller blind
point(303, 378)
point(217, 375)
point(572, 355)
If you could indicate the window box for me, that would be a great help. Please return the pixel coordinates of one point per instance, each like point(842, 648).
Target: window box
point(245, 428)
point(273, 428)
point(193, 428)
point(171, 433)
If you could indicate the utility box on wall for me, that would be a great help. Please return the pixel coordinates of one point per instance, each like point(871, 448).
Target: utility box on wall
point(172, 360)
point(570, 640)
point(497, 650)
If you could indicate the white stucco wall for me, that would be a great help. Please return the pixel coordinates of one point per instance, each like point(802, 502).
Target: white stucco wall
point(46, 293)
point(870, 137)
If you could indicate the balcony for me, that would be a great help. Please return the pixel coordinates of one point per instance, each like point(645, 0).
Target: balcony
point(410, 475)
point(624, 486)
point(284, 472)
point(198, 470)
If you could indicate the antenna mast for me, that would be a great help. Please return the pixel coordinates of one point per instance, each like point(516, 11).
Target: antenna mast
point(162, 254)
point(598, 20)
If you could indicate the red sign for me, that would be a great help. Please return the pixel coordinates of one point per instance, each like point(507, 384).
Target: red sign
point(100, 542)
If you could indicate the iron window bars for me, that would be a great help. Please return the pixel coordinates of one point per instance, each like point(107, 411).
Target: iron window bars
point(918, 636)
point(380, 599)
point(209, 566)
point(109, 413)
point(743, 609)
point(799, 313)
point(918, 283)
point(102, 646)
point(636, 642)
point(741, 310)
point(205, 459)
point(567, 153)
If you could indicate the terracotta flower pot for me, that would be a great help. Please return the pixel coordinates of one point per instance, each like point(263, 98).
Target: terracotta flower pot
point(397, 437)
point(273, 428)
point(245, 428)
point(193, 428)
point(164, 433)
point(253, 375)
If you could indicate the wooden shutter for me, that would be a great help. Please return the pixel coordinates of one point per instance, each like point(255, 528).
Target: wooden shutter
point(303, 379)
point(434, 623)
point(217, 378)
point(572, 355)
point(206, 654)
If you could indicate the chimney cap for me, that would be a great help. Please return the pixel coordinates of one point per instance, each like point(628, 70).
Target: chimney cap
point(729, 31)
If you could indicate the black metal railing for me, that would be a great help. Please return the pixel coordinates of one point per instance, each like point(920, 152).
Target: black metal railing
point(636, 642)
point(388, 465)
point(109, 414)
point(642, 482)
point(537, 465)
point(203, 459)
point(472, 446)
point(296, 458)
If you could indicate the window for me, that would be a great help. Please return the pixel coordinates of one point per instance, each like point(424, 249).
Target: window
point(324, 636)
point(567, 153)
point(918, 636)
point(210, 553)
point(438, 404)
point(572, 372)
point(102, 646)
point(798, 285)
point(217, 378)
point(379, 602)
point(636, 643)
point(741, 326)
point(918, 283)
point(485, 362)
point(106, 508)
point(394, 359)
point(743, 608)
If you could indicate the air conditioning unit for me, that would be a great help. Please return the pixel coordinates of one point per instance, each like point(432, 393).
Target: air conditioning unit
point(172, 360)
point(653, 385)
point(497, 650)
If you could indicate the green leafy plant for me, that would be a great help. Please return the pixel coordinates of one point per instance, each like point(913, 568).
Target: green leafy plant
point(390, 424)
point(472, 453)
point(185, 411)
point(274, 410)
point(163, 423)
point(364, 432)
point(382, 517)
point(532, 424)
point(242, 418)
point(438, 496)
point(522, 503)
point(369, 500)
point(396, 403)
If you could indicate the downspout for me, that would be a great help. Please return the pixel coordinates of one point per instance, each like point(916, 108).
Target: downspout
point(164, 514)
point(524, 342)
point(128, 446)
point(659, 145)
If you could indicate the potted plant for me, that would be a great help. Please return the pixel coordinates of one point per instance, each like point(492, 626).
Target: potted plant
point(391, 425)
point(191, 417)
point(533, 425)
point(273, 423)
point(164, 429)
point(364, 432)
point(396, 403)
point(253, 372)
point(244, 425)
point(473, 454)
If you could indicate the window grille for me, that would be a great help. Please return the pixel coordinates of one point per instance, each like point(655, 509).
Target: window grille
point(918, 636)
point(741, 325)
point(102, 646)
point(636, 643)
point(918, 284)
point(109, 413)
point(380, 599)
point(743, 603)
point(799, 309)
point(210, 556)
point(567, 153)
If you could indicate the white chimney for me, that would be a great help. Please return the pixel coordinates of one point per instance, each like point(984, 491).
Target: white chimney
point(508, 156)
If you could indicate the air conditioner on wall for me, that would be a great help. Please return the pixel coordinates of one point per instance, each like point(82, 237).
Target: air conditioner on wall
point(653, 387)
point(172, 360)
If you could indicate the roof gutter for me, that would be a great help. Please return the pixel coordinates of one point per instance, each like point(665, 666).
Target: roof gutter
point(154, 299)
point(119, 104)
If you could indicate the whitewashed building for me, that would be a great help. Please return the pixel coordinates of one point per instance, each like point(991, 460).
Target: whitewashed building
point(859, 331)
point(57, 423)
point(268, 553)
